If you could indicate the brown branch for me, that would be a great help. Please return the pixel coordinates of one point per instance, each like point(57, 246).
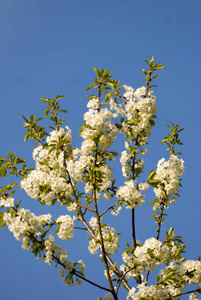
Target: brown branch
point(86, 207)
point(11, 166)
point(111, 207)
point(100, 232)
point(36, 136)
point(132, 176)
point(133, 229)
point(80, 228)
point(160, 220)
point(91, 282)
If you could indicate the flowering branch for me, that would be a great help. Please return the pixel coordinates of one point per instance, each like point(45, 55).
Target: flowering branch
point(81, 180)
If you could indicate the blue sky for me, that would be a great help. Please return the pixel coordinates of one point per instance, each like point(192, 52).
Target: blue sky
point(50, 48)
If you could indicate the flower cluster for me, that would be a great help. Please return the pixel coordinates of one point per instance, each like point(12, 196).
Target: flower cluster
point(47, 181)
point(188, 270)
point(110, 238)
point(146, 292)
point(145, 257)
point(171, 281)
point(71, 268)
point(193, 296)
point(66, 225)
point(97, 127)
point(8, 202)
point(139, 108)
point(25, 223)
point(131, 194)
point(30, 228)
point(54, 251)
point(167, 174)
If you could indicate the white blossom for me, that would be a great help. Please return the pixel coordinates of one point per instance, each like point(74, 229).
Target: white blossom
point(130, 194)
point(8, 202)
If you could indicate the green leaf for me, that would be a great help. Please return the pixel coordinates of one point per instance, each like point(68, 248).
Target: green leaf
point(3, 225)
point(47, 111)
point(39, 119)
point(45, 100)
point(170, 231)
point(144, 72)
point(151, 175)
point(26, 125)
point(59, 97)
point(169, 127)
point(91, 86)
point(32, 117)
point(96, 71)
point(159, 68)
point(11, 154)
point(20, 160)
point(24, 118)
point(154, 182)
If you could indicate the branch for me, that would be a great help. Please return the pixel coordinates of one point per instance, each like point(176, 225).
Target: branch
point(86, 207)
point(100, 233)
point(160, 220)
point(73, 272)
point(132, 176)
point(91, 282)
point(36, 136)
point(12, 166)
point(80, 228)
point(111, 207)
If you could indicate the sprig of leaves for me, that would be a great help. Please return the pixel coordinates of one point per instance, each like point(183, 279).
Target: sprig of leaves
point(173, 138)
point(53, 109)
point(10, 164)
point(34, 131)
point(149, 74)
point(105, 84)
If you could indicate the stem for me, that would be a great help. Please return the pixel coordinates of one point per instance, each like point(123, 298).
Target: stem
point(80, 228)
point(149, 79)
point(133, 229)
point(55, 115)
point(132, 176)
point(160, 220)
point(100, 233)
point(37, 137)
point(111, 207)
point(11, 166)
point(86, 207)
point(91, 282)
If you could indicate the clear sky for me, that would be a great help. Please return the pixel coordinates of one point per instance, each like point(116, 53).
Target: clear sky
point(50, 48)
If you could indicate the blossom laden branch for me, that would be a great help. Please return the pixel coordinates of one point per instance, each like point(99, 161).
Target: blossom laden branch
point(81, 181)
